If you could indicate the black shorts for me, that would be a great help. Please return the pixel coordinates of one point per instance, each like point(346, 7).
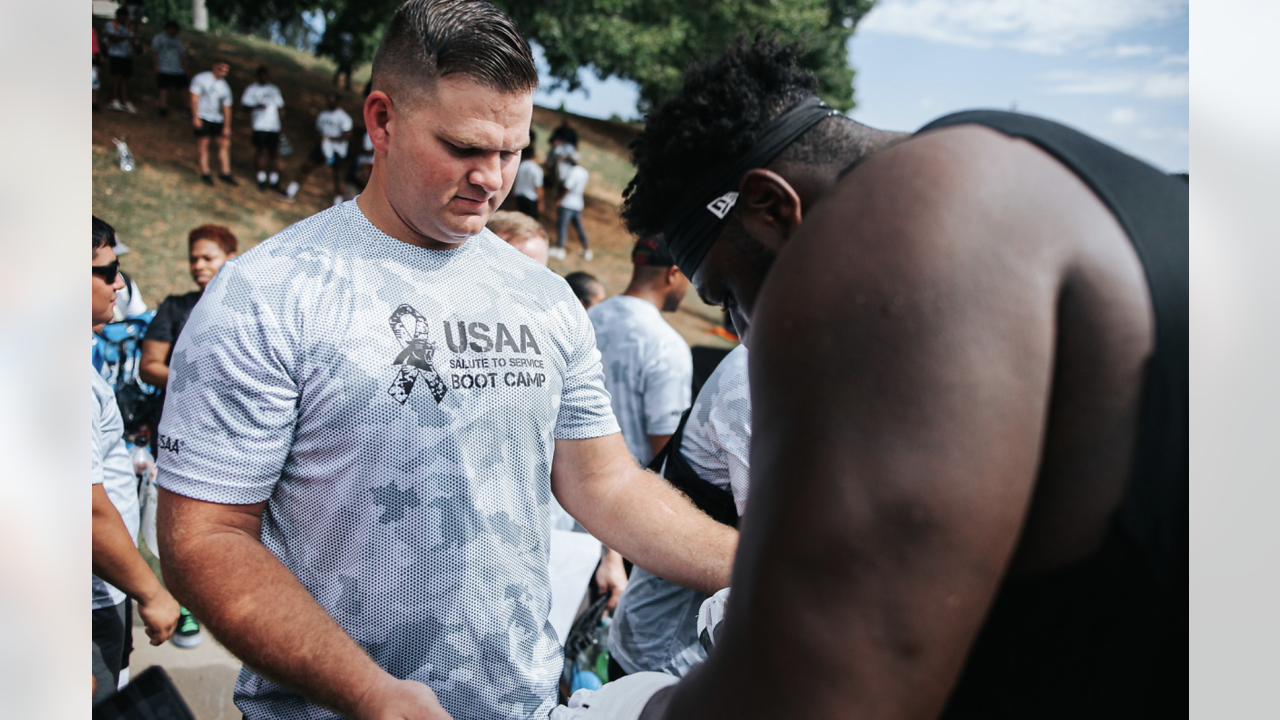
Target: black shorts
point(264, 139)
point(164, 81)
point(209, 129)
point(122, 66)
point(317, 157)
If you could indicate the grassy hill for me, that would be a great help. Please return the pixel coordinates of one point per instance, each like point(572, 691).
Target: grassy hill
point(154, 206)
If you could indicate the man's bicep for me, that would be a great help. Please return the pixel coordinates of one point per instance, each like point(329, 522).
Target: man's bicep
point(898, 402)
point(180, 517)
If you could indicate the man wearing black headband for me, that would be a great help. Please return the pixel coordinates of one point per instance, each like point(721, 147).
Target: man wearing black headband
point(969, 376)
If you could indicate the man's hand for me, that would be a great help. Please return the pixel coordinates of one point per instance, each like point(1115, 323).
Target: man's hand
point(611, 577)
point(196, 122)
point(160, 615)
point(226, 130)
point(393, 699)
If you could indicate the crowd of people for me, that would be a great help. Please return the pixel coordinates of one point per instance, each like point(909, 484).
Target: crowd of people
point(961, 426)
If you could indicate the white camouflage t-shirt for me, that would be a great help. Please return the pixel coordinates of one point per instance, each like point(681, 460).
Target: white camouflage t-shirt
point(266, 101)
point(648, 369)
point(655, 627)
point(211, 94)
point(111, 467)
point(396, 408)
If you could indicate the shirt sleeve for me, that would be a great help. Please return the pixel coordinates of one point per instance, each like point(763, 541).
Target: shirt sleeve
point(249, 97)
point(668, 381)
point(345, 123)
point(156, 43)
point(585, 411)
point(231, 402)
point(160, 328)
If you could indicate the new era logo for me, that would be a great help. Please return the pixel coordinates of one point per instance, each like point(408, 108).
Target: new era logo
point(723, 204)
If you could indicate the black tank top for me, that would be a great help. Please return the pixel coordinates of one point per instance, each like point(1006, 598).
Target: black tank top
point(1106, 637)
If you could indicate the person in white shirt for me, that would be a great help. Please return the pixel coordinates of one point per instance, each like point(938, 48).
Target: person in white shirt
point(211, 117)
point(120, 575)
point(571, 203)
point(334, 126)
point(374, 407)
point(167, 51)
point(268, 112)
point(121, 42)
point(528, 186)
point(648, 367)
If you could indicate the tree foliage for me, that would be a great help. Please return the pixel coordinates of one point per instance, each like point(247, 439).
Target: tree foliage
point(646, 41)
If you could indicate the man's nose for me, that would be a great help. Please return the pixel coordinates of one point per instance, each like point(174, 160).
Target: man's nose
point(487, 173)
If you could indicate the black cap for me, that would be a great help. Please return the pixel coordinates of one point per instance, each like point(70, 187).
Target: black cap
point(652, 251)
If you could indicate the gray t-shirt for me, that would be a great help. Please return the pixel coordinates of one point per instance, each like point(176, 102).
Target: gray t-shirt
point(212, 94)
point(168, 54)
point(111, 467)
point(397, 409)
point(655, 627)
point(648, 369)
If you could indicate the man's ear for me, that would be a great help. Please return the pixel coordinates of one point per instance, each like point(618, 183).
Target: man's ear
point(770, 207)
point(378, 116)
point(673, 275)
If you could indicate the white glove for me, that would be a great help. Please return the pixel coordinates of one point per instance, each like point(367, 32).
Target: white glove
point(710, 615)
point(619, 700)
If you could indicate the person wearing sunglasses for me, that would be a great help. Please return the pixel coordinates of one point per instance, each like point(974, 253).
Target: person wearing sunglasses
point(121, 577)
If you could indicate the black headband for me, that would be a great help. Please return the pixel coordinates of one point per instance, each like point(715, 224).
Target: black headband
point(694, 225)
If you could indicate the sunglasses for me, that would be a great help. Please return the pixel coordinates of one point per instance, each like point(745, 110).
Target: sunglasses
point(107, 272)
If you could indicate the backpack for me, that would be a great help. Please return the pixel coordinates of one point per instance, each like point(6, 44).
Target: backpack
point(117, 351)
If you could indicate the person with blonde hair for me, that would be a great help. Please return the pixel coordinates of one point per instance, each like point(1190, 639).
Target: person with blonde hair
point(522, 233)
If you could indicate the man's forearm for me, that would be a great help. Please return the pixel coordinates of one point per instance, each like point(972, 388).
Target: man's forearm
point(115, 557)
point(262, 613)
point(647, 520)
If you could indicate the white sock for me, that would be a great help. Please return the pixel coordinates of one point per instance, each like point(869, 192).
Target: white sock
point(293, 189)
point(274, 178)
point(262, 176)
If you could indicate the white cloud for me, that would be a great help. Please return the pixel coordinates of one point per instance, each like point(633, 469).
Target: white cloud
point(1148, 85)
point(1049, 27)
point(1174, 60)
point(1123, 116)
point(1127, 51)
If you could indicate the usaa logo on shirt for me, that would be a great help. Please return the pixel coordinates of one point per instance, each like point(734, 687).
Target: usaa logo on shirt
point(417, 353)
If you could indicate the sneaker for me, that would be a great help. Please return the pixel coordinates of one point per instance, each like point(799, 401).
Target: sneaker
point(556, 252)
point(115, 105)
point(228, 180)
point(587, 254)
point(207, 180)
point(262, 184)
point(187, 635)
point(129, 108)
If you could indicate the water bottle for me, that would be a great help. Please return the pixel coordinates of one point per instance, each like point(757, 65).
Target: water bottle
point(123, 156)
point(286, 147)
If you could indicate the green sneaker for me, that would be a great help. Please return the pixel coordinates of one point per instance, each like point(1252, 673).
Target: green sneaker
point(188, 633)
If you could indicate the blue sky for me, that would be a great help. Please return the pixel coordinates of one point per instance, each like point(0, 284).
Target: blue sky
point(1116, 69)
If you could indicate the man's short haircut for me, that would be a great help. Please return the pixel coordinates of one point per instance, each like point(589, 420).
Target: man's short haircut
point(103, 234)
point(219, 61)
point(583, 284)
point(429, 39)
point(218, 234)
point(171, 24)
point(510, 226)
point(717, 118)
point(263, 69)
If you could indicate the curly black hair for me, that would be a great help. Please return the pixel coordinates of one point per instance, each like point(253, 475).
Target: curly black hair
point(716, 118)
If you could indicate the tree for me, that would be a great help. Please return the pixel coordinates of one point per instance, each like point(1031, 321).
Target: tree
point(647, 41)
point(652, 41)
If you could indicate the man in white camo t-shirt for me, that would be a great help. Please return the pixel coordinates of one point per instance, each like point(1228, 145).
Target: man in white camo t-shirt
point(369, 412)
point(655, 627)
point(648, 368)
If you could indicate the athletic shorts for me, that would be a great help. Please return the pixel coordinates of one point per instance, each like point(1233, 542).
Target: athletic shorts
point(264, 139)
point(165, 81)
point(112, 644)
point(209, 129)
point(122, 66)
point(317, 157)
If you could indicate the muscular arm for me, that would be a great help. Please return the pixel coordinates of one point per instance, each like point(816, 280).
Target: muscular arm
point(152, 367)
point(214, 561)
point(640, 515)
point(900, 374)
